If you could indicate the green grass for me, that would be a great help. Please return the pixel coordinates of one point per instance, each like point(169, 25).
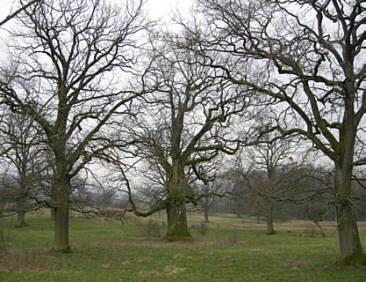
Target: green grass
point(227, 249)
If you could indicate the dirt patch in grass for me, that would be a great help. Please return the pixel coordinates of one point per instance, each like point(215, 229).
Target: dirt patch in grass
point(21, 260)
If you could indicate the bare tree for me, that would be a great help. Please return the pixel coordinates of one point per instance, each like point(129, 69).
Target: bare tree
point(183, 124)
point(209, 193)
point(308, 56)
point(24, 5)
point(269, 174)
point(212, 184)
point(23, 159)
point(64, 57)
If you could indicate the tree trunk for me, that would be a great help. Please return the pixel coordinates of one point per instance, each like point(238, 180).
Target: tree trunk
point(61, 238)
point(349, 240)
point(52, 214)
point(205, 215)
point(269, 221)
point(176, 208)
point(177, 222)
point(319, 227)
point(21, 219)
point(21, 213)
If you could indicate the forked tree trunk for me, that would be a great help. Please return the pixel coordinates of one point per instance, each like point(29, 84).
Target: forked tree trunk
point(61, 238)
point(176, 208)
point(269, 221)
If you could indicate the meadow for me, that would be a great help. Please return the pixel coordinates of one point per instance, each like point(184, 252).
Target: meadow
point(226, 249)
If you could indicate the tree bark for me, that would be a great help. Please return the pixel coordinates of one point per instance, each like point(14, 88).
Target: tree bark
point(269, 221)
point(177, 221)
point(176, 208)
point(319, 227)
point(52, 214)
point(349, 239)
point(61, 238)
point(21, 213)
point(205, 215)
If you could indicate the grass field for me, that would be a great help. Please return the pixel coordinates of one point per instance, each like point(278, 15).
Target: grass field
point(227, 249)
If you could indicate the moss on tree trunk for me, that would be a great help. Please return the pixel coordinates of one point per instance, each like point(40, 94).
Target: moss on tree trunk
point(349, 239)
point(177, 222)
point(176, 207)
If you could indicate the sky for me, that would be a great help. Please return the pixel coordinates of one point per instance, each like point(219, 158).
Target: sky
point(160, 9)
point(157, 9)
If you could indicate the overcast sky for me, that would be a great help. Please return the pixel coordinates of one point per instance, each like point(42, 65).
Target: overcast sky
point(163, 8)
point(156, 8)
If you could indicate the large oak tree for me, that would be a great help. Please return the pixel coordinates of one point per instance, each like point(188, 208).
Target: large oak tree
point(182, 125)
point(64, 52)
point(309, 56)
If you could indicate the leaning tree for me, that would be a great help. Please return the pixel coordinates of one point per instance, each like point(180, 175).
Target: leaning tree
point(70, 68)
point(308, 56)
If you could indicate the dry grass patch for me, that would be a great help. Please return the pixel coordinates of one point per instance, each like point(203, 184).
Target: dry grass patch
point(145, 274)
point(173, 270)
point(178, 256)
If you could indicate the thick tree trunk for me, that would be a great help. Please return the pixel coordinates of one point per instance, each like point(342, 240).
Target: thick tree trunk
point(21, 213)
point(177, 222)
point(349, 239)
point(269, 221)
point(176, 208)
point(61, 238)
